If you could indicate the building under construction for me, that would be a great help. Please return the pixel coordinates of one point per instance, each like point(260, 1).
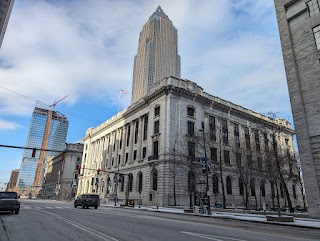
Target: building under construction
point(48, 131)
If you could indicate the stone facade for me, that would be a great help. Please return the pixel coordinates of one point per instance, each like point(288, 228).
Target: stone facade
point(297, 20)
point(62, 170)
point(157, 138)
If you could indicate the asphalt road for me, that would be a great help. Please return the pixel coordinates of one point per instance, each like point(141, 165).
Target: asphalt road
point(49, 220)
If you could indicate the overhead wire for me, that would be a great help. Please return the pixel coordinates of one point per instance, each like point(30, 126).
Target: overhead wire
point(48, 105)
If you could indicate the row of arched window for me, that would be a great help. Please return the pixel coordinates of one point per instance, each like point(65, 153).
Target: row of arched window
point(215, 184)
point(215, 187)
point(121, 181)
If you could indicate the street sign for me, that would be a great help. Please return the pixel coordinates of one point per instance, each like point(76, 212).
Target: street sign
point(204, 164)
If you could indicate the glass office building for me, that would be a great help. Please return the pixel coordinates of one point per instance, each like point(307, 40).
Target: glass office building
point(58, 128)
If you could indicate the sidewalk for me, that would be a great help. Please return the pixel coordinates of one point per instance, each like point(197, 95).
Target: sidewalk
point(298, 222)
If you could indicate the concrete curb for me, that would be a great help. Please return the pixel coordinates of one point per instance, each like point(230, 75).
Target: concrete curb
point(223, 217)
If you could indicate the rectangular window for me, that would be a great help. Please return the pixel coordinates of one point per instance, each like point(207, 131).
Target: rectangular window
point(236, 135)
point(238, 159)
point(247, 137)
point(190, 128)
point(226, 155)
point(266, 142)
point(214, 154)
point(313, 7)
point(127, 157)
point(257, 140)
point(157, 111)
point(119, 159)
point(156, 127)
point(136, 131)
point(212, 127)
point(224, 124)
point(109, 140)
point(190, 111)
point(191, 149)
point(155, 149)
point(144, 152)
point(145, 128)
point(128, 134)
point(134, 154)
point(316, 33)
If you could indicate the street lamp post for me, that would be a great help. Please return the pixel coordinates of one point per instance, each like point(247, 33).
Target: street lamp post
point(206, 160)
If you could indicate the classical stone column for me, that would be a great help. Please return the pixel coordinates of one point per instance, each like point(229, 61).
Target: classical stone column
point(131, 142)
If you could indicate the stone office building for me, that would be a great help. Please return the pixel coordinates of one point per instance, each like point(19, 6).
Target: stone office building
point(156, 137)
point(299, 28)
point(150, 152)
point(62, 171)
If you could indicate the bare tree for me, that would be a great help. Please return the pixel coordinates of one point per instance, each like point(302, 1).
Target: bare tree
point(184, 161)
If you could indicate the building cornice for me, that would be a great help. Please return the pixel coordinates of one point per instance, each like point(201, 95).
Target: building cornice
point(180, 87)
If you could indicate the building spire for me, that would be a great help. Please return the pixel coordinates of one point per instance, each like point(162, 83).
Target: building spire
point(159, 13)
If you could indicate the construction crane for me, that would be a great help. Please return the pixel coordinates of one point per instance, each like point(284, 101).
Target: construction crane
point(56, 102)
point(44, 146)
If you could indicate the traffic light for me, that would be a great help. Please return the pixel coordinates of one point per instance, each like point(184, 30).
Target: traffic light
point(34, 150)
point(79, 168)
point(98, 171)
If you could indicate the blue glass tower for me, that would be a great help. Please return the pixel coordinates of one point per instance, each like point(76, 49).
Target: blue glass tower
point(56, 138)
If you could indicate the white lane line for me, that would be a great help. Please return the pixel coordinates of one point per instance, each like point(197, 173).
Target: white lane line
point(211, 237)
point(84, 228)
point(49, 207)
point(59, 207)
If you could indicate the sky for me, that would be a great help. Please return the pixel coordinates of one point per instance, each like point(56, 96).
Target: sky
point(84, 49)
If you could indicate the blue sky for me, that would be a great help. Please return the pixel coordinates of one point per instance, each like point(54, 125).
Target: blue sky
point(85, 49)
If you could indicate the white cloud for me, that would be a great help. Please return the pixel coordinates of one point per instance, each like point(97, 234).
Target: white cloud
point(8, 125)
point(86, 50)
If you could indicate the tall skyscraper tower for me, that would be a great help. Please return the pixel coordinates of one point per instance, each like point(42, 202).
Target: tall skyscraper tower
point(157, 55)
point(299, 28)
point(48, 130)
point(5, 11)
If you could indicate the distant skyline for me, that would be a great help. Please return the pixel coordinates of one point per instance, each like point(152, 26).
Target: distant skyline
point(51, 49)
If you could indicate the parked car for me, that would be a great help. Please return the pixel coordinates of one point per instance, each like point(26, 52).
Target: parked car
point(87, 200)
point(9, 202)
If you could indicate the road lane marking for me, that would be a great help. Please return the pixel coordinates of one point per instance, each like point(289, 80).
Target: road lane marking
point(82, 227)
point(211, 237)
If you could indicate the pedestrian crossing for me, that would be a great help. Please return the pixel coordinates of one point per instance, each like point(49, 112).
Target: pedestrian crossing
point(44, 207)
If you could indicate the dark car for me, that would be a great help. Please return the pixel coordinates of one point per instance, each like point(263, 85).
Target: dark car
point(87, 200)
point(9, 202)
